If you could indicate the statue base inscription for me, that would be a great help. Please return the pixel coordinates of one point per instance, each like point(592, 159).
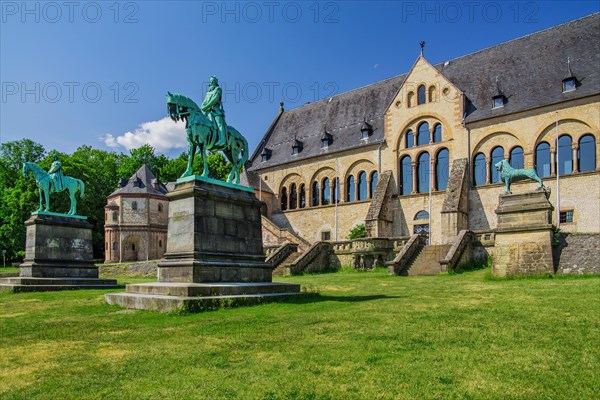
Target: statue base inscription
point(58, 256)
point(523, 244)
point(214, 252)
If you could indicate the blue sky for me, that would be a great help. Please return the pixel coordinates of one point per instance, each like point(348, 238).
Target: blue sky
point(96, 73)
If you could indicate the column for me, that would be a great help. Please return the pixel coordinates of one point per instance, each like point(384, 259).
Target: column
point(414, 176)
point(488, 172)
point(552, 161)
point(433, 175)
point(575, 148)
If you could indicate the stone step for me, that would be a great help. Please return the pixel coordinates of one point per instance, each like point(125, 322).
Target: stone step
point(189, 303)
point(210, 289)
point(427, 260)
point(56, 281)
point(286, 263)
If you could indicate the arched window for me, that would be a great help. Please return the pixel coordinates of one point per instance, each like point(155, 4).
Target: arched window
point(302, 200)
point(115, 216)
point(516, 158)
point(423, 136)
point(565, 155)
point(423, 173)
point(373, 183)
point(587, 153)
point(410, 139)
point(421, 94)
point(115, 246)
point(431, 93)
point(133, 246)
point(315, 194)
point(406, 173)
point(442, 168)
point(350, 188)
point(106, 246)
point(134, 205)
point(325, 192)
point(421, 215)
point(479, 170)
point(437, 133)
point(497, 156)
point(160, 243)
point(160, 207)
point(284, 199)
point(336, 190)
point(409, 99)
point(362, 185)
point(542, 159)
point(293, 197)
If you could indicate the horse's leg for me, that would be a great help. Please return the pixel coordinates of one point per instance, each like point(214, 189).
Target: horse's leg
point(191, 152)
point(47, 196)
point(72, 210)
point(41, 203)
point(204, 162)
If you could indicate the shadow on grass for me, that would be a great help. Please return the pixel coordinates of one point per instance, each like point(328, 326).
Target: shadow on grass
point(316, 297)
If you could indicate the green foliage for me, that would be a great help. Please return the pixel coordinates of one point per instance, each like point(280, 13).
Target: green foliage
point(556, 237)
point(138, 157)
point(357, 232)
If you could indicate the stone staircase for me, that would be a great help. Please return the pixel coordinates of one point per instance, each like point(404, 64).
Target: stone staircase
point(280, 269)
point(427, 260)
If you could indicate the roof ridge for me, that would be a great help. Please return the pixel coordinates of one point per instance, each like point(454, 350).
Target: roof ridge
point(520, 38)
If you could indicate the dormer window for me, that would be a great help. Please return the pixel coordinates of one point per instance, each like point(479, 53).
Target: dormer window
point(136, 182)
point(297, 147)
point(365, 130)
point(570, 81)
point(498, 101)
point(569, 84)
point(265, 155)
point(326, 139)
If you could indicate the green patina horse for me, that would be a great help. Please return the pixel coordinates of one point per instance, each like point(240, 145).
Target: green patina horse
point(509, 174)
point(202, 136)
point(45, 186)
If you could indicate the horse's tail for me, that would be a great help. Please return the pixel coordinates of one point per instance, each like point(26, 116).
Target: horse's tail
point(82, 191)
point(244, 152)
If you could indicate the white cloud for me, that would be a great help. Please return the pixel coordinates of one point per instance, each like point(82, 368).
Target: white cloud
point(163, 135)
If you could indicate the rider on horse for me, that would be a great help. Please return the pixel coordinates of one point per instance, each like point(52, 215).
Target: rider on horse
point(56, 174)
point(212, 107)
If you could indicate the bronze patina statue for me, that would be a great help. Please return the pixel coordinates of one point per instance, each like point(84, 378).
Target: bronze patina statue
point(509, 174)
point(207, 132)
point(54, 181)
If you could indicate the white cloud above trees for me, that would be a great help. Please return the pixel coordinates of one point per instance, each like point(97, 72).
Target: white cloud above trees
point(163, 135)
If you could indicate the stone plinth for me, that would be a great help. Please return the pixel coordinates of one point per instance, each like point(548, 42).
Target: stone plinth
point(58, 256)
point(214, 252)
point(523, 243)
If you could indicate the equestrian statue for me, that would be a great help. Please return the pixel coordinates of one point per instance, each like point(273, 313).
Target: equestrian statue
point(207, 131)
point(509, 174)
point(54, 181)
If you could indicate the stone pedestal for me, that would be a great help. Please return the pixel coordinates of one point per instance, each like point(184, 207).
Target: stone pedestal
point(523, 244)
point(214, 252)
point(58, 256)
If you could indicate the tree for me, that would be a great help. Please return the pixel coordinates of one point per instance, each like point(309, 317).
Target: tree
point(138, 157)
point(357, 232)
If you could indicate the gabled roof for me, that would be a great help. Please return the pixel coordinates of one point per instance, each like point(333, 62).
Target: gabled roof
point(530, 71)
point(142, 182)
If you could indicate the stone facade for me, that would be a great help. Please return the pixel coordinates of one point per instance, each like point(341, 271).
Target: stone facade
point(463, 127)
point(136, 219)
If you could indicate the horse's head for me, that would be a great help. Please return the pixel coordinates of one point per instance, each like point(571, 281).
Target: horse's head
point(180, 107)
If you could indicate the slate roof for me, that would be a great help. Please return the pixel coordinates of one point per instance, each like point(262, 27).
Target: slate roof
point(146, 184)
point(530, 71)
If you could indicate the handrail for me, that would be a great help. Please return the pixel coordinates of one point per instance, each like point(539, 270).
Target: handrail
point(285, 232)
point(282, 252)
point(457, 250)
point(302, 262)
point(415, 243)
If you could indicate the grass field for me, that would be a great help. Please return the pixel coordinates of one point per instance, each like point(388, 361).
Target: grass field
point(366, 336)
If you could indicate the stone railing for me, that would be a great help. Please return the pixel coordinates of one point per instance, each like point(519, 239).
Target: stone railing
point(269, 250)
point(315, 259)
point(414, 244)
point(461, 243)
point(368, 244)
point(284, 233)
point(281, 253)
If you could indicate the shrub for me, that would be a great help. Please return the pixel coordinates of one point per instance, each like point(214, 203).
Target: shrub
point(357, 232)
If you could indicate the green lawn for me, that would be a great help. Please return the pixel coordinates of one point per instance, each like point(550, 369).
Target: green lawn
point(367, 336)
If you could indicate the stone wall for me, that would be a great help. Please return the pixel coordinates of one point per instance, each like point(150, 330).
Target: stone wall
point(577, 254)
